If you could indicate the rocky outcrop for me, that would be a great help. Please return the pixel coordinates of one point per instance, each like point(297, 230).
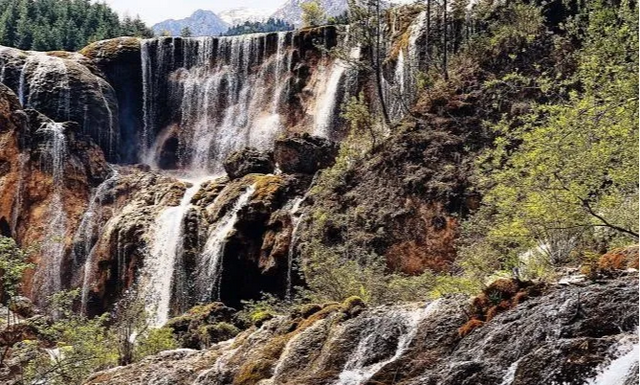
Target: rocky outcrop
point(568, 335)
point(119, 60)
point(403, 201)
point(248, 161)
point(49, 170)
point(65, 87)
point(255, 252)
point(205, 325)
point(304, 154)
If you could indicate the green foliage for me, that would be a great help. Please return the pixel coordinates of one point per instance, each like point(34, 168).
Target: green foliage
point(515, 26)
point(47, 25)
point(131, 323)
point(356, 112)
point(331, 277)
point(566, 172)
point(258, 311)
point(340, 19)
point(312, 13)
point(153, 342)
point(13, 263)
point(83, 346)
point(271, 25)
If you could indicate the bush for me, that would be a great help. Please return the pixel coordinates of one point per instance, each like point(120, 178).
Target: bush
point(153, 342)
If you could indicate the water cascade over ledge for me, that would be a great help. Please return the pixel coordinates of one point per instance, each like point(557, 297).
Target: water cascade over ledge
point(206, 97)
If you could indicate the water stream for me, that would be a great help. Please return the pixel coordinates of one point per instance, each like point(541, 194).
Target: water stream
point(165, 248)
point(210, 262)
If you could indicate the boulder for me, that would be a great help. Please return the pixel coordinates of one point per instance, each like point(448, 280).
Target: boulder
point(304, 154)
point(205, 325)
point(248, 161)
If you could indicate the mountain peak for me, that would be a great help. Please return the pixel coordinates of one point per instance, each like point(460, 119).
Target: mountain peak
point(201, 23)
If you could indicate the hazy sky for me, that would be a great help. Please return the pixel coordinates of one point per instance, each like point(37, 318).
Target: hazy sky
point(153, 11)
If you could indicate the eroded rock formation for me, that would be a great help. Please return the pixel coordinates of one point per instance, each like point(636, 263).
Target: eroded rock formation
point(569, 335)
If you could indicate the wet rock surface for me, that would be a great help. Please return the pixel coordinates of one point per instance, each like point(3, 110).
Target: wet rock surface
point(119, 60)
point(563, 336)
point(248, 161)
point(65, 86)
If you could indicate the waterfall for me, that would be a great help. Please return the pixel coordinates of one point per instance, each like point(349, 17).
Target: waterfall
point(147, 93)
point(165, 248)
point(47, 68)
point(110, 116)
point(296, 219)
point(210, 263)
point(84, 245)
point(326, 105)
point(216, 95)
point(621, 368)
point(401, 92)
point(53, 244)
point(358, 370)
point(22, 81)
point(224, 106)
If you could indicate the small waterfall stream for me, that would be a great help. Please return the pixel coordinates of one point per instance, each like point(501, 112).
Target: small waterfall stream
point(358, 368)
point(53, 243)
point(165, 247)
point(296, 219)
point(620, 369)
point(89, 228)
point(210, 263)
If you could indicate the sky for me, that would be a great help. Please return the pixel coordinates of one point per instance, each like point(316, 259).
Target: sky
point(153, 11)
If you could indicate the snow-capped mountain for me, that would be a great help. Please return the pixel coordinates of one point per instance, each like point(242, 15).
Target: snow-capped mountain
point(200, 23)
point(292, 13)
point(239, 15)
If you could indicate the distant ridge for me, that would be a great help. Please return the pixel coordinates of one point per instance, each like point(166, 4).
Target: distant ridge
point(239, 15)
point(200, 23)
point(292, 13)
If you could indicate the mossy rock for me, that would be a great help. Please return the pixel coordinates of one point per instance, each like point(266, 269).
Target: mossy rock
point(307, 310)
point(258, 318)
point(353, 306)
point(251, 373)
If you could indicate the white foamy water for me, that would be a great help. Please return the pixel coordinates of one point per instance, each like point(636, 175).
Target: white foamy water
point(357, 371)
point(210, 261)
point(619, 369)
point(165, 247)
point(84, 247)
point(296, 219)
point(53, 242)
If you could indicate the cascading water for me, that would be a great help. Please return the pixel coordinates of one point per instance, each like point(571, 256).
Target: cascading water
point(621, 369)
point(326, 105)
point(53, 245)
point(48, 66)
point(216, 95)
point(166, 245)
point(296, 219)
point(358, 368)
point(84, 239)
point(401, 91)
point(210, 263)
